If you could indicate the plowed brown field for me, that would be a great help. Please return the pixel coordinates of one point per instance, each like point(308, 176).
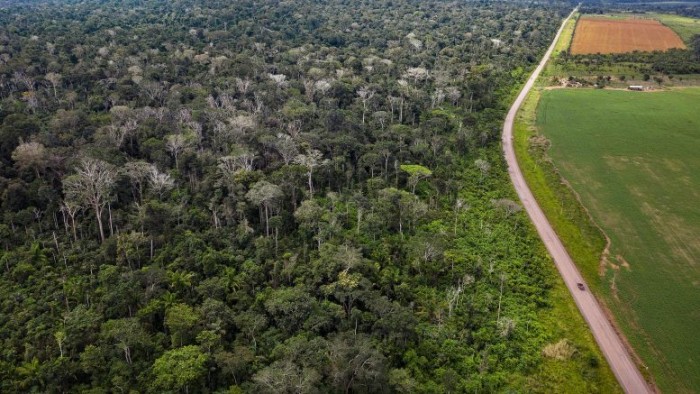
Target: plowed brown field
point(602, 35)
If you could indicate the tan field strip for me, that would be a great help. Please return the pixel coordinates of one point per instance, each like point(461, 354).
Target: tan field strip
point(604, 35)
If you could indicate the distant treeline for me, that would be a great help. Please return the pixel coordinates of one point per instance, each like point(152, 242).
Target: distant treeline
point(683, 8)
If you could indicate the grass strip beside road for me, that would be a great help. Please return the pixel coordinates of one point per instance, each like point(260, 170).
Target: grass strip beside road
point(586, 371)
point(566, 36)
point(564, 319)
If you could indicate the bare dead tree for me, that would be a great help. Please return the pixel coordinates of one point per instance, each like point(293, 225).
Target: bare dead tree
point(20, 78)
point(176, 144)
point(160, 182)
point(153, 90)
point(366, 95)
point(294, 128)
point(55, 80)
point(311, 161)
point(509, 207)
point(91, 185)
point(243, 85)
point(483, 166)
point(30, 155)
point(286, 147)
point(138, 173)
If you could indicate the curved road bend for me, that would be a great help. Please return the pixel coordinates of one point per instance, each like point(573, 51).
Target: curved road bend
point(610, 343)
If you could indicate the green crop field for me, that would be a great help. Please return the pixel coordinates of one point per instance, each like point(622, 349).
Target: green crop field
point(634, 159)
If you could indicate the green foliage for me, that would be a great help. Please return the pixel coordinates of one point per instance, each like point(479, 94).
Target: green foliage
point(178, 368)
point(416, 170)
point(180, 319)
point(260, 233)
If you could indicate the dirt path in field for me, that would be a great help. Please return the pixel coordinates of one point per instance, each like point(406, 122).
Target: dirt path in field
point(610, 343)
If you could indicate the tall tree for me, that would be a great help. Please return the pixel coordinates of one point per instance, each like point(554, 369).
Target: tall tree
point(91, 185)
point(265, 194)
point(179, 368)
point(311, 161)
point(31, 155)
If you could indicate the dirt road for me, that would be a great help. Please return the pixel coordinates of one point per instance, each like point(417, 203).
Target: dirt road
point(610, 343)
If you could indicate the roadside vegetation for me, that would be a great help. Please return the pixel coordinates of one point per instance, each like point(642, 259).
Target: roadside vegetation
point(262, 196)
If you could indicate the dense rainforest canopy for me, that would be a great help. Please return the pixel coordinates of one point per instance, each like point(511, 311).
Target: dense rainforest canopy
point(266, 196)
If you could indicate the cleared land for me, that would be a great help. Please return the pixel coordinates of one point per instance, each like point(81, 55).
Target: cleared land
point(606, 35)
point(632, 157)
point(684, 26)
point(590, 68)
